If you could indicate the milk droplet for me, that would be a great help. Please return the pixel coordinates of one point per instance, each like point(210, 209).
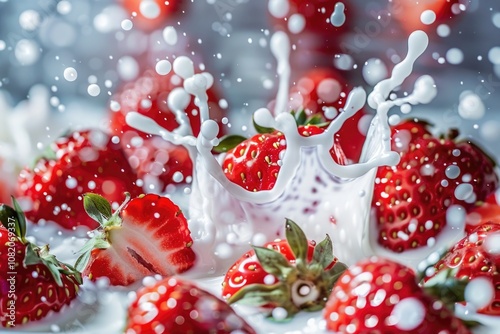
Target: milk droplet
point(454, 56)
point(343, 62)
point(464, 191)
point(128, 68)
point(455, 216)
point(94, 90)
point(494, 55)
point(452, 172)
point(408, 314)
point(489, 130)
point(163, 67)
point(210, 129)
point(183, 67)
point(479, 292)
point(27, 52)
point(374, 71)
point(29, 20)
point(428, 17)
point(70, 74)
point(443, 30)
point(178, 99)
point(496, 19)
point(279, 313)
point(2, 45)
point(471, 106)
point(170, 35)
point(149, 9)
point(178, 177)
point(492, 244)
point(127, 25)
point(64, 7)
point(296, 23)
point(278, 8)
point(337, 19)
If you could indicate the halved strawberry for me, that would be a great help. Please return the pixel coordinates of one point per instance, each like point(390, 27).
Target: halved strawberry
point(411, 199)
point(381, 296)
point(147, 235)
point(472, 257)
point(79, 162)
point(33, 282)
point(254, 163)
point(295, 274)
point(175, 305)
point(148, 95)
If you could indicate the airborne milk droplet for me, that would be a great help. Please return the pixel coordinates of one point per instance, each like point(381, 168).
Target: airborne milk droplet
point(337, 18)
point(70, 74)
point(170, 35)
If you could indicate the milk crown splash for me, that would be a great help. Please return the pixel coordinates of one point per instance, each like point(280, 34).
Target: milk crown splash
point(311, 188)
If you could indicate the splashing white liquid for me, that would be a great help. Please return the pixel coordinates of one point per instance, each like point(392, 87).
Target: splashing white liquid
point(337, 19)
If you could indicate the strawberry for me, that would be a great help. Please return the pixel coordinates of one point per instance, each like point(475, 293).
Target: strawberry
point(472, 257)
point(32, 281)
point(324, 91)
point(148, 95)
point(175, 305)
point(254, 163)
point(381, 296)
point(295, 274)
point(410, 199)
point(151, 14)
point(80, 162)
point(144, 236)
point(408, 13)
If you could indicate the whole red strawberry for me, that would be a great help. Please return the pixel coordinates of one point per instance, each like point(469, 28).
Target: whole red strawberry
point(147, 235)
point(295, 274)
point(253, 164)
point(472, 257)
point(411, 199)
point(324, 91)
point(382, 296)
point(33, 282)
point(148, 95)
point(174, 305)
point(80, 162)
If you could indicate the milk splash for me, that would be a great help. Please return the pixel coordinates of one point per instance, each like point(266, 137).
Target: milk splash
point(311, 189)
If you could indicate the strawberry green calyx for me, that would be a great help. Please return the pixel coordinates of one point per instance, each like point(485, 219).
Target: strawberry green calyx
point(14, 220)
point(99, 209)
point(301, 286)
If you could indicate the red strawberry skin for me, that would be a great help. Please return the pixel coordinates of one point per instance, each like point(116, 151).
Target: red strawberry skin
point(410, 199)
point(86, 161)
point(148, 96)
point(248, 270)
point(153, 238)
point(365, 296)
point(178, 306)
point(470, 259)
point(32, 288)
point(253, 164)
point(322, 88)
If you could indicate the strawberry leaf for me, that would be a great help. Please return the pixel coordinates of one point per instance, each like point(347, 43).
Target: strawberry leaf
point(21, 221)
point(8, 217)
point(85, 252)
point(97, 207)
point(273, 262)
point(323, 252)
point(261, 129)
point(228, 142)
point(297, 241)
point(300, 117)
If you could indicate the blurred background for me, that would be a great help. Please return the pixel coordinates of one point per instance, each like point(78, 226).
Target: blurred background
point(77, 53)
